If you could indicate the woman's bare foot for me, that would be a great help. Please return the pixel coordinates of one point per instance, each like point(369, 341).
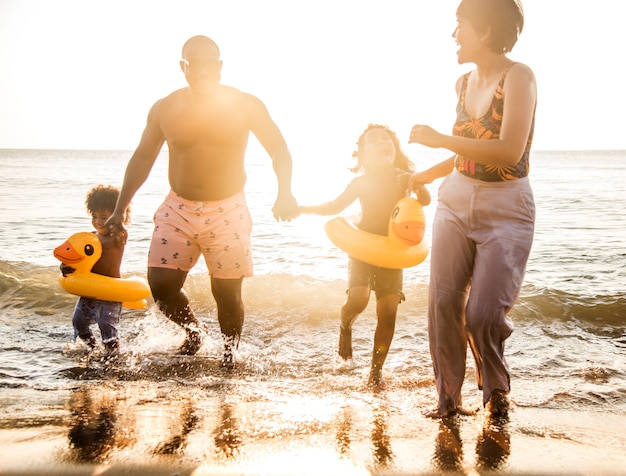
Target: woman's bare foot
point(345, 343)
point(459, 410)
point(498, 404)
point(435, 413)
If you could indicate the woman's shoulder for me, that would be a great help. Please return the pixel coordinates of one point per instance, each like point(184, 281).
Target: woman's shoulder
point(520, 77)
point(458, 85)
point(520, 70)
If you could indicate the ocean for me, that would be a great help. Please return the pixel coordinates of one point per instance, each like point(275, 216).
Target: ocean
point(291, 406)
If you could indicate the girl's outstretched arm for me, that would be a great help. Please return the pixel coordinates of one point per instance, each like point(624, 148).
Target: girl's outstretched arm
point(347, 197)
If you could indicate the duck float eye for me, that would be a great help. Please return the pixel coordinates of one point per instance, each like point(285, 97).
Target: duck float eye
point(403, 247)
point(89, 250)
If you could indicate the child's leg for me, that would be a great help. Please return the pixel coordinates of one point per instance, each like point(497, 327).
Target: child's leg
point(359, 286)
point(83, 318)
point(388, 288)
point(386, 310)
point(108, 318)
point(356, 302)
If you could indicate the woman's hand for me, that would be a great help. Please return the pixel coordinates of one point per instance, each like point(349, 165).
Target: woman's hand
point(425, 135)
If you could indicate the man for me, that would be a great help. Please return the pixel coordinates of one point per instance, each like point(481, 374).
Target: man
point(206, 126)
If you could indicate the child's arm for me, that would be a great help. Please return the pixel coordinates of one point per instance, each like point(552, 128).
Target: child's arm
point(436, 171)
point(349, 195)
point(110, 262)
point(65, 269)
point(422, 193)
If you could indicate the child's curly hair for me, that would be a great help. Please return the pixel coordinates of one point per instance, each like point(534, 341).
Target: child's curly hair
point(104, 197)
point(401, 161)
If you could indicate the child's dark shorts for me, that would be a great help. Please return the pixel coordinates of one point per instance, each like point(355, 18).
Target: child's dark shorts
point(382, 281)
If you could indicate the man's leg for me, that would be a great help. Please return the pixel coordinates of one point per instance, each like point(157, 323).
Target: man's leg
point(167, 291)
point(230, 313)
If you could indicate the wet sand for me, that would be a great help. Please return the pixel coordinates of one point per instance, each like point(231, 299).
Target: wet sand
point(247, 428)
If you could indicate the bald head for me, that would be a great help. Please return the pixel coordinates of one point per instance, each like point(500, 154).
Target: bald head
point(201, 46)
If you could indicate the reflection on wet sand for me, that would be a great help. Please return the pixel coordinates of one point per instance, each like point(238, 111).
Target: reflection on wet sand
point(95, 429)
point(227, 425)
point(227, 435)
point(177, 443)
point(381, 442)
point(380, 437)
point(448, 446)
point(493, 446)
point(344, 427)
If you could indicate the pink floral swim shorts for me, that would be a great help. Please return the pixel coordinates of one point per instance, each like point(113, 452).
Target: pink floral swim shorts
point(219, 230)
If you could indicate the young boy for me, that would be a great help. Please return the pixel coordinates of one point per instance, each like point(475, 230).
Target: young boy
point(100, 203)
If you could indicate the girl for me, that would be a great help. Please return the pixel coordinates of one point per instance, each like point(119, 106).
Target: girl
point(384, 173)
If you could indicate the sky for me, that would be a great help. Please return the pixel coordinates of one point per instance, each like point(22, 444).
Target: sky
point(82, 74)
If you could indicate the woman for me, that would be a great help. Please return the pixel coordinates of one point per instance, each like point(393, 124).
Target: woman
point(484, 223)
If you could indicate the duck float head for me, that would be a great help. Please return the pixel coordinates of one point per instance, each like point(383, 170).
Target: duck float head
point(81, 251)
point(407, 224)
point(403, 247)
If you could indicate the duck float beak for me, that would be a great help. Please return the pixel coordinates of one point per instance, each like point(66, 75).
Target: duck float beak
point(66, 254)
point(80, 251)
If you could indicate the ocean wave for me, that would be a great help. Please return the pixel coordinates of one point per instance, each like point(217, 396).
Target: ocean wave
point(546, 304)
point(28, 287)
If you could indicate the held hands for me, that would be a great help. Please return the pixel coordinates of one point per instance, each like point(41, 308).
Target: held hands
point(417, 180)
point(285, 208)
point(115, 224)
point(416, 185)
point(117, 230)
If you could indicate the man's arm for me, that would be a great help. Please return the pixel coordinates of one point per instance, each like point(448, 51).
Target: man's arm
point(270, 137)
point(138, 167)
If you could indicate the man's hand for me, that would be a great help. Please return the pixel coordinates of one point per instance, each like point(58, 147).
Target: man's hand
point(285, 208)
point(115, 224)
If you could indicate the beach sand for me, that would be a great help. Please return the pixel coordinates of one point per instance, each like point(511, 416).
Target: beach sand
point(226, 428)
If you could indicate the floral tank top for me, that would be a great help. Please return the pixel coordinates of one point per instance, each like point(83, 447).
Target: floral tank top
point(488, 127)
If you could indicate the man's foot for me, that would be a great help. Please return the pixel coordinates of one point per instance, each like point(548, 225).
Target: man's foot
point(192, 343)
point(228, 361)
point(228, 358)
point(498, 404)
point(345, 343)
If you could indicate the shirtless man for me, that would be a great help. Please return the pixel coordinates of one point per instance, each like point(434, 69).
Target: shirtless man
point(206, 126)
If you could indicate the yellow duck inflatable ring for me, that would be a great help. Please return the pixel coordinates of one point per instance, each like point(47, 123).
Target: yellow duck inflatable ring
point(81, 251)
point(403, 247)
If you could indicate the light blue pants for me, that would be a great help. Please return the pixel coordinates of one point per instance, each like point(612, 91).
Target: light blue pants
point(482, 236)
point(91, 311)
